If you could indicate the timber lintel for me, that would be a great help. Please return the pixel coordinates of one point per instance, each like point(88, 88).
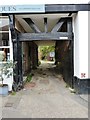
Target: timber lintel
point(45, 36)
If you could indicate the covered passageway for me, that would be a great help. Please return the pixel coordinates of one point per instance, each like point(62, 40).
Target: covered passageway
point(33, 25)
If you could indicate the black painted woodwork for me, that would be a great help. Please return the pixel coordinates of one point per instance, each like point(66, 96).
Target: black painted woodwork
point(60, 23)
point(71, 51)
point(44, 36)
point(45, 23)
point(32, 25)
point(60, 8)
point(15, 58)
point(66, 8)
point(81, 86)
point(69, 25)
point(12, 26)
point(17, 55)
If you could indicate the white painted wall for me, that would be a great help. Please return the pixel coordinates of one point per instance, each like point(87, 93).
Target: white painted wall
point(76, 45)
point(88, 44)
point(80, 29)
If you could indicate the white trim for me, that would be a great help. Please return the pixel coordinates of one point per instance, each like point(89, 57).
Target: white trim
point(11, 46)
point(3, 16)
point(4, 31)
point(4, 46)
point(4, 62)
point(63, 38)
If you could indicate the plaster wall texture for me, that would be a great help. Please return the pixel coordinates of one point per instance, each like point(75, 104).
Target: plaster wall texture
point(80, 29)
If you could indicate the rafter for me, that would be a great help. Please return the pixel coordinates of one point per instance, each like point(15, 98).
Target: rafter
point(58, 25)
point(32, 25)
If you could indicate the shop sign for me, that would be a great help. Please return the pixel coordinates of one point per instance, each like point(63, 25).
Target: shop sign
point(22, 8)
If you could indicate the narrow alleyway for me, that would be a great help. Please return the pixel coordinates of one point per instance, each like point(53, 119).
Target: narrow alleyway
point(46, 97)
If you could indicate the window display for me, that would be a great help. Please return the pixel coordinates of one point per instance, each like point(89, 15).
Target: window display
point(4, 39)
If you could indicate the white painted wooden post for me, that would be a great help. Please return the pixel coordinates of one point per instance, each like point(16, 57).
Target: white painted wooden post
point(10, 80)
point(11, 46)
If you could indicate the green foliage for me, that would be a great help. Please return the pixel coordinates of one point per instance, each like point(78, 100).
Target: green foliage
point(13, 93)
point(1, 55)
point(29, 78)
point(45, 50)
point(67, 86)
point(73, 91)
point(39, 63)
point(6, 69)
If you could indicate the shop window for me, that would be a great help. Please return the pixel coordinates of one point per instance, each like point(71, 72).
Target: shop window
point(4, 39)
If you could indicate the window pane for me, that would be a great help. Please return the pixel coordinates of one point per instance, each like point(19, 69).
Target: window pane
point(4, 39)
point(4, 31)
point(4, 54)
point(4, 24)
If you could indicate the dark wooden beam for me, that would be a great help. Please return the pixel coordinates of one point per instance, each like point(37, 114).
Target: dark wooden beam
point(12, 26)
point(45, 36)
point(11, 21)
point(45, 23)
point(66, 8)
point(70, 14)
point(15, 48)
point(58, 25)
point(32, 25)
point(17, 55)
point(69, 25)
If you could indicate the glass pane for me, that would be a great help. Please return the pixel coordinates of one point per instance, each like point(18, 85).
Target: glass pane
point(4, 31)
point(4, 54)
point(4, 23)
point(4, 39)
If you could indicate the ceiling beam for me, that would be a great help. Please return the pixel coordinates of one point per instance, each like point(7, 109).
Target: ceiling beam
point(45, 36)
point(45, 23)
point(32, 25)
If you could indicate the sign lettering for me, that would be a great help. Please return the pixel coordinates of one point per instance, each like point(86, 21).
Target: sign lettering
point(9, 8)
point(22, 9)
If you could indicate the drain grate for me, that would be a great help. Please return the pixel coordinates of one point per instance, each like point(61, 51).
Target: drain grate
point(9, 105)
